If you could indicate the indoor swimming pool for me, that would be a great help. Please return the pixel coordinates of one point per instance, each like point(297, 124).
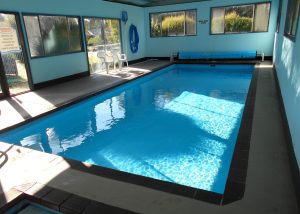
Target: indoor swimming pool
point(178, 125)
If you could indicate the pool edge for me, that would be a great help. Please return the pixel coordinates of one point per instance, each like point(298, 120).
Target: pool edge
point(236, 180)
point(235, 184)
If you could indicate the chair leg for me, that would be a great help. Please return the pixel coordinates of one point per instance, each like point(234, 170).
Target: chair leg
point(107, 67)
point(120, 65)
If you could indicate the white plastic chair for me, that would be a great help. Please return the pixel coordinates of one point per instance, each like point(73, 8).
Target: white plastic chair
point(122, 58)
point(107, 58)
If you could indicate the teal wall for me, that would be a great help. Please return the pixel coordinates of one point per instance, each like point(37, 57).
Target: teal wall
point(287, 63)
point(48, 68)
point(163, 47)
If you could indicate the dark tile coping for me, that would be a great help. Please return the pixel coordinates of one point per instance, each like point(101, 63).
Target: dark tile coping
point(236, 181)
point(55, 199)
point(235, 186)
point(292, 156)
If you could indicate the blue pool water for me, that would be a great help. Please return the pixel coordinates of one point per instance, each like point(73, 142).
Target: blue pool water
point(179, 124)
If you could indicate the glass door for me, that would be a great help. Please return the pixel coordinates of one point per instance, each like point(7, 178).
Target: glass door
point(4, 91)
point(103, 38)
point(14, 68)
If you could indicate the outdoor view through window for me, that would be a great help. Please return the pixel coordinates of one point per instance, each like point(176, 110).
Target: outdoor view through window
point(103, 39)
point(13, 74)
point(179, 23)
point(240, 19)
point(291, 22)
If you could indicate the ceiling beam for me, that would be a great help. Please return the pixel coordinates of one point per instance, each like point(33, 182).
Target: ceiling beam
point(151, 3)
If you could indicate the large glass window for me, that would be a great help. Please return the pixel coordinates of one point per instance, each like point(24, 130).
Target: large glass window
point(291, 22)
point(103, 37)
point(52, 35)
point(240, 19)
point(179, 23)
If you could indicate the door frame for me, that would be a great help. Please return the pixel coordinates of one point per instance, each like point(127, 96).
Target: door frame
point(4, 85)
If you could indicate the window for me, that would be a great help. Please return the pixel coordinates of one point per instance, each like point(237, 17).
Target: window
point(291, 22)
point(102, 31)
point(278, 16)
point(240, 19)
point(102, 36)
point(179, 23)
point(52, 35)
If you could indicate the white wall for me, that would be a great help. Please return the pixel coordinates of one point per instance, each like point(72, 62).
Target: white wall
point(287, 62)
point(164, 46)
point(54, 67)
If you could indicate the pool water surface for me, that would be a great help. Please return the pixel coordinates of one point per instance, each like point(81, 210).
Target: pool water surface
point(179, 124)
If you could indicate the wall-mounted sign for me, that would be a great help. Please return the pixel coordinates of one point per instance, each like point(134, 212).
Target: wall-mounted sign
point(8, 39)
point(203, 22)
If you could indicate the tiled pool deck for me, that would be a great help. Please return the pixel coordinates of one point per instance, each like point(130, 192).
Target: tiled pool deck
point(269, 187)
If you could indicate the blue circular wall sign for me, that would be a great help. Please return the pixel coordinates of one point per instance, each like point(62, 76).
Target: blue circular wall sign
point(133, 39)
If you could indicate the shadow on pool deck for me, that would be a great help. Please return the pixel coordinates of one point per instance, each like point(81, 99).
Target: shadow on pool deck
point(269, 187)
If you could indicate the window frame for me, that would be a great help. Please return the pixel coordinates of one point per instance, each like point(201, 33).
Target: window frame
point(236, 5)
point(289, 36)
point(279, 14)
point(85, 38)
point(196, 30)
point(42, 36)
point(100, 17)
point(22, 40)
